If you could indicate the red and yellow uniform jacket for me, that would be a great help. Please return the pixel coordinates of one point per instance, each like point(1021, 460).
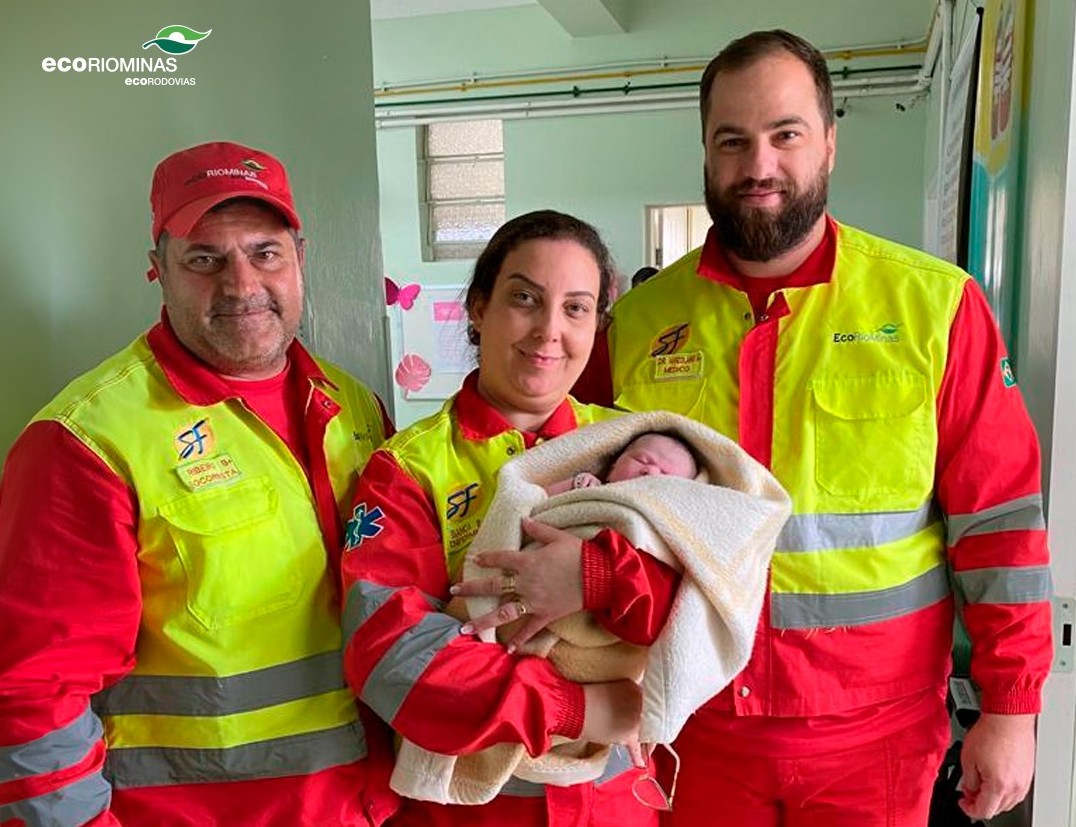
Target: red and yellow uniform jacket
point(418, 505)
point(879, 393)
point(172, 645)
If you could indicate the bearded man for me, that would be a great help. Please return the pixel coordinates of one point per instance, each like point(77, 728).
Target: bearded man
point(870, 378)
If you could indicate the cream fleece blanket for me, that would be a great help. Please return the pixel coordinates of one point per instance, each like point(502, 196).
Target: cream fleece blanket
point(720, 534)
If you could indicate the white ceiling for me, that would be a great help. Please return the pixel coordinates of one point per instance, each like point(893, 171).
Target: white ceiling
point(384, 9)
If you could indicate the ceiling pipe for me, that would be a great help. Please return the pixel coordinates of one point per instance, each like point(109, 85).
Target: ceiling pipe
point(602, 71)
point(516, 109)
point(845, 78)
point(912, 84)
point(592, 108)
point(854, 83)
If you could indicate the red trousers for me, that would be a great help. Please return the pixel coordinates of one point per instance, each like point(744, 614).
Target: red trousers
point(611, 804)
point(884, 783)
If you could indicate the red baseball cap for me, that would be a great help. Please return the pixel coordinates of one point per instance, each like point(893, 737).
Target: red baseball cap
point(190, 182)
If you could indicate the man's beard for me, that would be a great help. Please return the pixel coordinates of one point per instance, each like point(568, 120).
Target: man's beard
point(755, 234)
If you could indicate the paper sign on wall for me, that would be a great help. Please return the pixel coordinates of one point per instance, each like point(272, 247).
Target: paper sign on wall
point(433, 354)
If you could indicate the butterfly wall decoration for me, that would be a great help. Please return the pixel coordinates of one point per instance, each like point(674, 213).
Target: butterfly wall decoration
point(403, 296)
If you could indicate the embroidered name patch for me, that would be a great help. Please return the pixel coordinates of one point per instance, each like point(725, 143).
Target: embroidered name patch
point(678, 366)
point(206, 473)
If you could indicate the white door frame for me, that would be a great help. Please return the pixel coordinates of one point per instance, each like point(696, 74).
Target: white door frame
point(1051, 279)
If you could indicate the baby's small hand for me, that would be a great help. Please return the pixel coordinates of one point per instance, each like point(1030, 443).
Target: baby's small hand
point(585, 479)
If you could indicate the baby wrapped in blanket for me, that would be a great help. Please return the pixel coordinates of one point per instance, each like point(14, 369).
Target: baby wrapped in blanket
point(718, 529)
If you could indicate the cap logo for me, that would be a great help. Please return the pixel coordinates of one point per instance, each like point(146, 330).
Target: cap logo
point(227, 172)
point(177, 40)
point(250, 163)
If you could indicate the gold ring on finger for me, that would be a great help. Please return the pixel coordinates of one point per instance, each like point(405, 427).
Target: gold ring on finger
point(522, 608)
point(508, 584)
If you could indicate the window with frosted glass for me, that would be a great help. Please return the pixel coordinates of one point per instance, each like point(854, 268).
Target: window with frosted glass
point(464, 177)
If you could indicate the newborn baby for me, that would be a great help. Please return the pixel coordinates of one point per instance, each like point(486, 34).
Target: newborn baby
point(650, 454)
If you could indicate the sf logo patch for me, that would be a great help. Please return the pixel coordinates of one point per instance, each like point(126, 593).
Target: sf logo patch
point(459, 502)
point(671, 340)
point(364, 525)
point(195, 441)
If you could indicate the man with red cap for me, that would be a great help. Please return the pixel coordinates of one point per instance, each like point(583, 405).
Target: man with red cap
point(170, 527)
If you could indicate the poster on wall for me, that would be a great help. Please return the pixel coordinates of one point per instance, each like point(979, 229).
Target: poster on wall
point(430, 348)
point(995, 185)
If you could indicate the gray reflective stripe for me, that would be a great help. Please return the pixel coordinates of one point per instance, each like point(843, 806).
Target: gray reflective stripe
point(819, 532)
point(1029, 584)
point(1023, 514)
point(364, 599)
point(198, 695)
point(56, 750)
point(402, 665)
point(619, 762)
point(302, 754)
point(75, 803)
point(824, 611)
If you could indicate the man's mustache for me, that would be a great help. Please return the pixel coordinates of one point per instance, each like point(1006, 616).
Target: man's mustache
point(238, 307)
point(771, 184)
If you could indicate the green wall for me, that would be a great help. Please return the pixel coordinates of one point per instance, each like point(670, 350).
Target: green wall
point(78, 151)
point(607, 168)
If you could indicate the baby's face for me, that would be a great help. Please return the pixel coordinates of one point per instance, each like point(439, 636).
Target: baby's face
point(653, 454)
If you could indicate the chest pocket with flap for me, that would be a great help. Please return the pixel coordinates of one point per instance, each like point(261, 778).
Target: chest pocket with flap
point(237, 551)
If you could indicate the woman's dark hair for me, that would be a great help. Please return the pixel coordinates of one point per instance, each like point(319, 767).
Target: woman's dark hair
point(533, 226)
point(749, 49)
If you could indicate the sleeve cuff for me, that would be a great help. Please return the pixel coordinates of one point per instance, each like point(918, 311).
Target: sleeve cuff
point(572, 711)
point(1021, 702)
point(597, 572)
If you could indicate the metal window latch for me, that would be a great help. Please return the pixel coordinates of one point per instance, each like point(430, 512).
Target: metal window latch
point(1064, 616)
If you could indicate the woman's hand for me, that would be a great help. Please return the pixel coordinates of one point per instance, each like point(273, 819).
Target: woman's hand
point(539, 586)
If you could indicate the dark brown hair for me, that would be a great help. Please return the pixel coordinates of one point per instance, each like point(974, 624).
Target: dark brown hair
point(541, 224)
point(751, 48)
